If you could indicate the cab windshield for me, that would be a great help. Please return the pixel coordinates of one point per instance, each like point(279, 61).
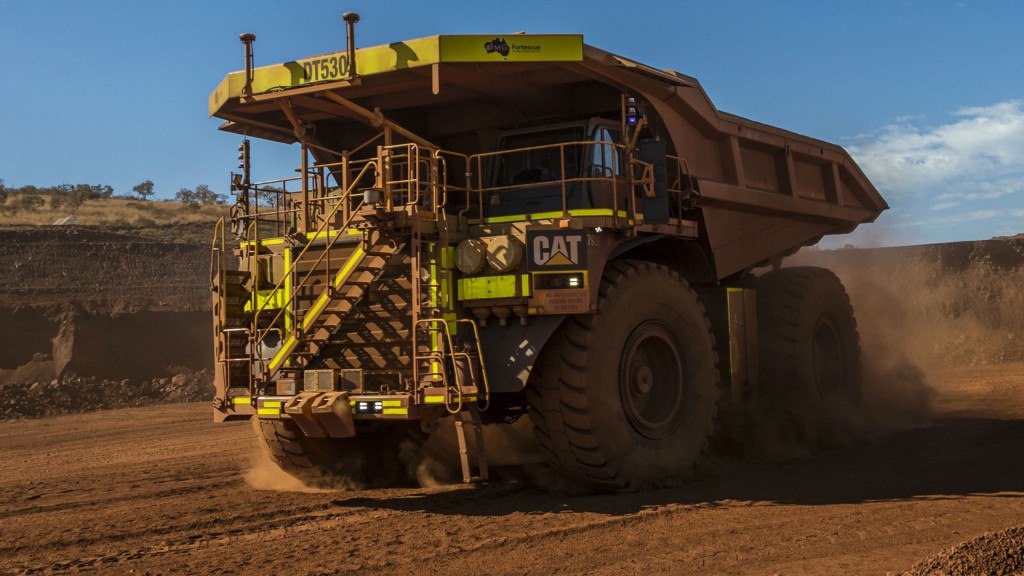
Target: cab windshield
point(540, 159)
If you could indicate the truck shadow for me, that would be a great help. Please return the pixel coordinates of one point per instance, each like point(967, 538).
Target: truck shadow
point(952, 458)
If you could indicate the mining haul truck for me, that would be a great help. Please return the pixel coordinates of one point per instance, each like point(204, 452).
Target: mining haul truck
point(487, 227)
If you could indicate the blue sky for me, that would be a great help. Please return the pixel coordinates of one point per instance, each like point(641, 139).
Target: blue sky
point(928, 95)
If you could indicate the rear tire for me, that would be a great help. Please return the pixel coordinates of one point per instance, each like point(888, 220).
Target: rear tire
point(810, 344)
point(626, 398)
point(810, 360)
point(379, 455)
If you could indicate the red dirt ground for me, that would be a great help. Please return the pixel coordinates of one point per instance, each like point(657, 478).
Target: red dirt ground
point(162, 490)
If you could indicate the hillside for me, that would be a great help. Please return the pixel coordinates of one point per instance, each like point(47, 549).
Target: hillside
point(165, 220)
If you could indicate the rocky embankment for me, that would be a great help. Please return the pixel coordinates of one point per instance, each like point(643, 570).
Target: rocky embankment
point(74, 393)
point(95, 319)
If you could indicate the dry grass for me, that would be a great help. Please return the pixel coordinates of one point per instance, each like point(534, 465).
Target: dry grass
point(121, 213)
point(165, 221)
point(979, 309)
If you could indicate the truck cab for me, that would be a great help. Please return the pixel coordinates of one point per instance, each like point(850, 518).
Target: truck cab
point(534, 168)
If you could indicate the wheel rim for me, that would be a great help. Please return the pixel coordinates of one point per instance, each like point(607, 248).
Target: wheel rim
point(651, 380)
point(827, 358)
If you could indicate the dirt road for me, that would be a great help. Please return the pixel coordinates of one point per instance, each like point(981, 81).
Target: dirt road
point(162, 490)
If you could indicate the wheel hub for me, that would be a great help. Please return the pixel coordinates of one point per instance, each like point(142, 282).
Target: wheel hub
point(651, 380)
point(642, 381)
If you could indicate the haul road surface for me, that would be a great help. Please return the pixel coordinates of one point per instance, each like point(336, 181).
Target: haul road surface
point(162, 490)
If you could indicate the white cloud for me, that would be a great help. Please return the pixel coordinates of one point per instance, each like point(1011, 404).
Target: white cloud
point(972, 216)
point(982, 152)
point(960, 180)
point(1008, 186)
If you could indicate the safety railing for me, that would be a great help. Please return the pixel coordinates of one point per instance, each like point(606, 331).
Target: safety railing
point(289, 305)
point(281, 207)
point(412, 175)
point(223, 335)
point(325, 197)
point(217, 248)
point(446, 163)
point(266, 204)
point(560, 165)
point(445, 355)
point(681, 188)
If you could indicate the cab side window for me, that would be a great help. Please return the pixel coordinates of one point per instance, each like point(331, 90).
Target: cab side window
point(606, 162)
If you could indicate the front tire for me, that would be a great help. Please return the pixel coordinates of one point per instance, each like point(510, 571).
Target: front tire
point(626, 398)
point(379, 455)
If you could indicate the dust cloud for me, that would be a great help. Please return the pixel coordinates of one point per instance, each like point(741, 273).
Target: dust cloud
point(897, 351)
point(265, 474)
point(511, 449)
point(919, 311)
point(428, 463)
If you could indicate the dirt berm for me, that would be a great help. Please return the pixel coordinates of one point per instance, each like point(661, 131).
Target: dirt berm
point(95, 319)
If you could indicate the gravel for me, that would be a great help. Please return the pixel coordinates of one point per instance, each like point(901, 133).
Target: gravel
point(86, 394)
point(991, 554)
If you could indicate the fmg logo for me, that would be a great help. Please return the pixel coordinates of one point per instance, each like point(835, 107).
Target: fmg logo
point(557, 251)
point(498, 45)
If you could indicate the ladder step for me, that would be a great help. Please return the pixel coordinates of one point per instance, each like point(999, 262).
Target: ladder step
point(232, 277)
point(471, 416)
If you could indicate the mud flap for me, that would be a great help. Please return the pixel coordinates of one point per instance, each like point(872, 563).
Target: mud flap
point(332, 411)
point(510, 351)
point(300, 408)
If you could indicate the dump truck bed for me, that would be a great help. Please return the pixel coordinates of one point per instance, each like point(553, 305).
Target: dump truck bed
point(763, 192)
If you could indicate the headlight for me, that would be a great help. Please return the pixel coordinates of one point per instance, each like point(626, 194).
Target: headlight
point(471, 256)
point(504, 253)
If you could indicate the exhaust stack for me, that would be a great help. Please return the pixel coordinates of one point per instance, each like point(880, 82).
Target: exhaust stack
point(248, 38)
point(350, 19)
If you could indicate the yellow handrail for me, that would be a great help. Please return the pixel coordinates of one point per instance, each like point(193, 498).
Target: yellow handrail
point(297, 259)
point(450, 352)
point(483, 366)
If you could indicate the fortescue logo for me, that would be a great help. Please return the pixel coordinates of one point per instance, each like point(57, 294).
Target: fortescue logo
point(497, 45)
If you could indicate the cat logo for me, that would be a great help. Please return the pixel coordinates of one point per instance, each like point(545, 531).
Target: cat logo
point(557, 251)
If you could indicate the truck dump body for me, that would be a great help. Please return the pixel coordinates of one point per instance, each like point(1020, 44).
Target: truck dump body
point(470, 208)
point(763, 191)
